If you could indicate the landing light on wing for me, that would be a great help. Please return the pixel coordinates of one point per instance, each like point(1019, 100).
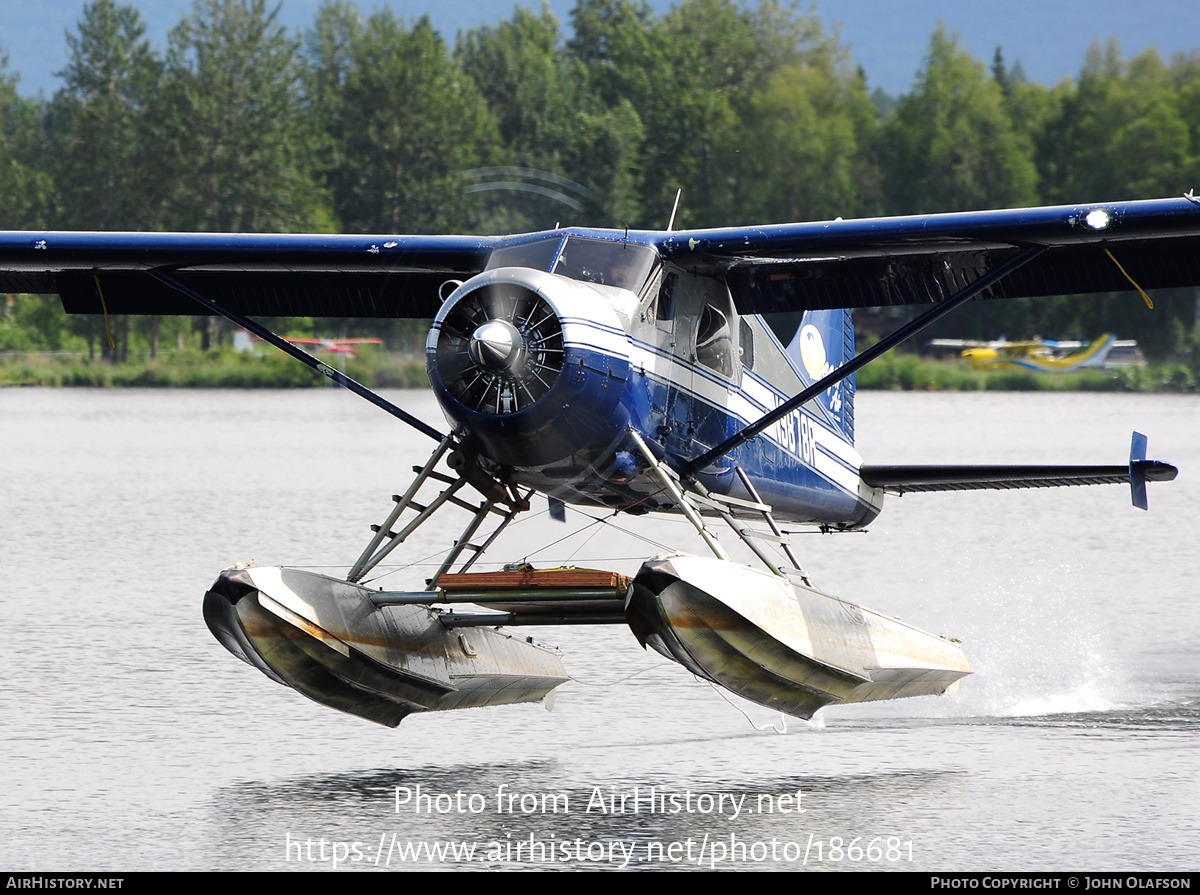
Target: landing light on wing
point(1098, 218)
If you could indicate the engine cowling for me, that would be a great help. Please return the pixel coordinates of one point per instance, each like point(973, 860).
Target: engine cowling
point(532, 364)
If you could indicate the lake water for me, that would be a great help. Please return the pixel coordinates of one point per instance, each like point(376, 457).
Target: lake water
point(134, 741)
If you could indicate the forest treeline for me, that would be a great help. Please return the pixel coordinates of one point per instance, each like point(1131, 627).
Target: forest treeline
point(368, 123)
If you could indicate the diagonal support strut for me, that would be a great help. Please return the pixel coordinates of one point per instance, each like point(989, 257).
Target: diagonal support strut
point(337, 376)
point(881, 347)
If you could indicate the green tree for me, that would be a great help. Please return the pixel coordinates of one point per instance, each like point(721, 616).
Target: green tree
point(551, 126)
point(951, 145)
point(237, 147)
point(695, 79)
point(401, 121)
point(1124, 130)
point(530, 93)
point(802, 149)
point(1123, 133)
point(24, 185)
point(103, 170)
point(521, 75)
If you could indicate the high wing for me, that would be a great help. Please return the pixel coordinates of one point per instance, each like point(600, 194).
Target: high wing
point(920, 259)
point(273, 275)
point(1099, 247)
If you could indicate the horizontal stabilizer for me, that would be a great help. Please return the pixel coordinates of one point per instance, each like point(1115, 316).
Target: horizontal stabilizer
point(902, 479)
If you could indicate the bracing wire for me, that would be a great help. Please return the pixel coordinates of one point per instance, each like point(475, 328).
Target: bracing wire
point(597, 521)
point(620, 680)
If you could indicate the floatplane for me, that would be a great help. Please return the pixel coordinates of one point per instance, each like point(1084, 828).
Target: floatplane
point(707, 373)
point(1036, 355)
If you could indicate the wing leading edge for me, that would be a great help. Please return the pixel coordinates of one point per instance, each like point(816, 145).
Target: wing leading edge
point(275, 275)
point(921, 259)
point(1102, 247)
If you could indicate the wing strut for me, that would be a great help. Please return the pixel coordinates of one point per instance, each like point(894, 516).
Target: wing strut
point(865, 357)
point(301, 355)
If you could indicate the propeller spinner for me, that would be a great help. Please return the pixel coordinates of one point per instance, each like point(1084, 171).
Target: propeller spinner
point(500, 349)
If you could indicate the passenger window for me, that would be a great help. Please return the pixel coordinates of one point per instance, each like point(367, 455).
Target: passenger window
point(714, 341)
point(746, 344)
point(665, 314)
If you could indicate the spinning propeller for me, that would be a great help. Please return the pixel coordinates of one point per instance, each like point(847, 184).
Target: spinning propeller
point(500, 349)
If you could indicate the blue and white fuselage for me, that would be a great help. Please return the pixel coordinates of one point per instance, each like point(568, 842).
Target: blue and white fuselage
point(546, 369)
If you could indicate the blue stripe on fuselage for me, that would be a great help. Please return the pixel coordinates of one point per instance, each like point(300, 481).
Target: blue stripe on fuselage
point(798, 488)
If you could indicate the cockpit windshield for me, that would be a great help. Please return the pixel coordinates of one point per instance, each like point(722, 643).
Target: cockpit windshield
point(621, 264)
point(539, 255)
point(609, 263)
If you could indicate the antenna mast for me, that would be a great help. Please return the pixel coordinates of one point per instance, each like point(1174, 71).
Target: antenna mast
point(671, 223)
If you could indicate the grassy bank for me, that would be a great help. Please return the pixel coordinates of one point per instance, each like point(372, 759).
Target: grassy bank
point(222, 368)
point(226, 368)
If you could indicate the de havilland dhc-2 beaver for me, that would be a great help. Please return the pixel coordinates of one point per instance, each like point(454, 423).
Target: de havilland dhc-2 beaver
point(707, 373)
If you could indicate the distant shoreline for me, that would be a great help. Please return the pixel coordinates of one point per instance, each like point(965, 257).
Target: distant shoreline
point(230, 369)
point(223, 368)
point(908, 372)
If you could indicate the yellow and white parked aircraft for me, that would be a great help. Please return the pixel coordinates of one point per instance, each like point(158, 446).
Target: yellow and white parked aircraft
point(1042, 355)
